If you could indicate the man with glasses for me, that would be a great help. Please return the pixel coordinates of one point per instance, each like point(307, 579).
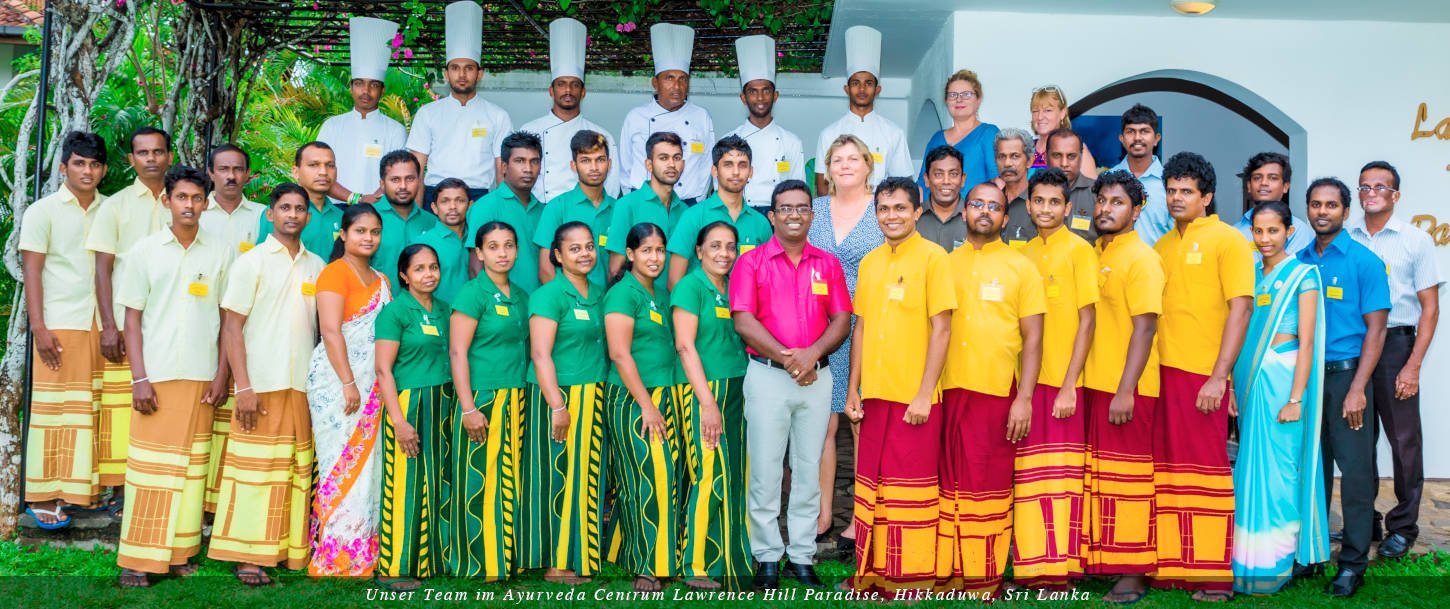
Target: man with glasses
point(1415, 280)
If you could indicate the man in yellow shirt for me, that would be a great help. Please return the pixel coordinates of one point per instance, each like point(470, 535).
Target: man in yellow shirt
point(1121, 393)
point(1206, 306)
point(60, 299)
point(1048, 489)
point(996, 336)
point(173, 324)
point(903, 305)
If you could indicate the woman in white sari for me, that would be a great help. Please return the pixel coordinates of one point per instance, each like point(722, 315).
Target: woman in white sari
point(345, 406)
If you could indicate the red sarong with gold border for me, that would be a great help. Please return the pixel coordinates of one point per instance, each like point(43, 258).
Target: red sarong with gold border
point(1194, 488)
point(975, 529)
point(1119, 492)
point(896, 513)
point(1047, 505)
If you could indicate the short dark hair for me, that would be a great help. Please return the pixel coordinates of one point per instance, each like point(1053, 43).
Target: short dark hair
point(726, 145)
point(1130, 184)
point(491, 226)
point(1332, 182)
point(297, 157)
point(899, 184)
point(657, 137)
point(1048, 176)
point(1191, 165)
point(1140, 114)
point(187, 173)
point(396, 157)
point(943, 152)
point(149, 130)
point(1266, 158)
point(447, 183)
point(588, 141)
point(211, 156)
point(787, 186)
point(406, 257)
point(85, 144)
point(519, 139)
point(1061, 132)
point(1278, 207)
point(284, 189)
point(1394, 173)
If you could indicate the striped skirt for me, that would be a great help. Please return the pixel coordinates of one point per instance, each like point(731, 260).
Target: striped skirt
point(716, 532)
point(563, 487)
point(60, 452)
point(166, 479)
point(221, 427)
point(1194, 488)
point(481, 489)
point(1047, 491)
point(976, 492)
point(410, 535)
point(647, 501)
point(897, 506)
point(114, 424)
point(1119, 489)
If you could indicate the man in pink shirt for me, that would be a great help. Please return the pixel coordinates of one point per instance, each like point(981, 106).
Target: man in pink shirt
point(791, 306)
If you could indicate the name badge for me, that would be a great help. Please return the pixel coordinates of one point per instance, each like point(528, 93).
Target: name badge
point(896, 293)
point(722, 312)
point(336, 234)
point(782, 167)
point(1334, 292)
point(820, 289)
point(878, 158)
point(1264, 300)
point(991, 293)
point(1193, 258)
point(245, 246)
point(1054, 291)
point(655, 316)
point(501, 310)
point(373, 151)
point(1016, 245)
point(480, 132)
point(430, 330)
point(581, 314)
point(697, 147)
point(309, 289)
point(603, 240)
point(745, 247)
point(198, 289)
point(1080, 223)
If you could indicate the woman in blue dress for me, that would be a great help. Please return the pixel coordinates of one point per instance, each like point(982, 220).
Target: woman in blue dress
point(968, 134)
point(844, 226)
point(1279, 502)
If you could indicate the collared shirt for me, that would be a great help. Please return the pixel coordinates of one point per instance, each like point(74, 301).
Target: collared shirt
point(575, 206)
point(178, 291)
point(57, 226)
point(502, 205)
point(1154, 221)
point(889, 153)
point(323, 227)
point(1303, 235)
point(996, 288)
point(722, 353)
point(1355, 285)
point(794, 302)
point(690, 122)
point(897, 294)
point(949, 234)
point(1019, 228)
point(1081, 202)
point(751, 226)
point(452, 259)
point(359, 143)
point(128, 216)
point(398, 233)
point(1409, 256)
point(1206, 266)
point(498, 356)
point(580, 355)
point(422, 338)
point(652, 344)
point(461, 141)
point(236, 229)
point(776, 155)
point(556, 177)
point(1069, 269)
point(278, 293)
point(638, 207)
point(1131, 283)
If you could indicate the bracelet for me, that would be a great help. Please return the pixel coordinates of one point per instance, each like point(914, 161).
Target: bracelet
point(140, 380)
point(1298, 401)
point(559, 409)
point(352, 383)
point(357, 196)
point(243, 390)
point(470, 410)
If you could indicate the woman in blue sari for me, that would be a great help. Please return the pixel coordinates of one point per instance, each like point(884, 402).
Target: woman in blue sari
point(1280, 514)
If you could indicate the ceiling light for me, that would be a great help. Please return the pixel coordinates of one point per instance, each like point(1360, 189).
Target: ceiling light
point(1193, 7)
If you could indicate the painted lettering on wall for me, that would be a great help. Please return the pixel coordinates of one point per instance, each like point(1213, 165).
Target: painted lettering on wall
point(1439, 232)
point(1441, 131)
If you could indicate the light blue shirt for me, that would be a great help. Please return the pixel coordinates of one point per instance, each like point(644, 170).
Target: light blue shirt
point(1154, 221)
point(1409, 256)
point(1303, 235)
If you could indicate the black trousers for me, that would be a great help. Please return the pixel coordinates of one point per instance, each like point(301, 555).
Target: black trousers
point(1354, 452)
point(431, 192)
point(1400, 420)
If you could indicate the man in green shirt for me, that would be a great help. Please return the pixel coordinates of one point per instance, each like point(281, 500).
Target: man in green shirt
point(655, 201)
point(448, 238)
point(315, 168)
point(403, 220)
point(587, 203)
point(514, 204)
point(732, 170)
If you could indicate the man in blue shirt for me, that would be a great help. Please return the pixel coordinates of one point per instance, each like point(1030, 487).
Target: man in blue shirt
point(1357, 305)
point(1139, 138)
point(1266, 178)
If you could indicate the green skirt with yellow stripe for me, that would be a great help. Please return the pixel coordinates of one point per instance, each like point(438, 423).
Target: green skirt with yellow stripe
point(716, 542)
point(482, 499)
point(410, 534)
point(561, 510)
point(647, 500)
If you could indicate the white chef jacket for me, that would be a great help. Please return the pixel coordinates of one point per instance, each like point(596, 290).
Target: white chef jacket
point(886, 141)
point(556, 178)
point(461, 141)
point(775, 156)
point(690, 122)
point(359, 143)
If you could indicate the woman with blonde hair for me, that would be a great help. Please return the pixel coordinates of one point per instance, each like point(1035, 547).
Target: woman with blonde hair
point(967, 133)
point(1049, 112)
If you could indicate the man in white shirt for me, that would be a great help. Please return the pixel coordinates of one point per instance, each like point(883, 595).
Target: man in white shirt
point(777, 153)
point(458, 136)
point(361, 137)
point(886, 140)
point(670, 111)
point(229, 215)
point(556, 128)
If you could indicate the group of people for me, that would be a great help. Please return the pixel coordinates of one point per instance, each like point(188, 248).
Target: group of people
point(418, 359)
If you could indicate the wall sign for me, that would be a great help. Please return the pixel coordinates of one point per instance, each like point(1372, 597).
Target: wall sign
point(1441, 131)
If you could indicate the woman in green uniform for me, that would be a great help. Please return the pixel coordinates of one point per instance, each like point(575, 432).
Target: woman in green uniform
point(412, 372)
point(641, 412)
point(566, 389)
point(711, 410)
point(489, 348)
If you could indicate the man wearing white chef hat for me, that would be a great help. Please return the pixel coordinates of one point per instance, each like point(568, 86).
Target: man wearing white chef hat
point(558, 126)
point(777, 155)
point(670, 111)
point(361, 137)
point(889, 155)
point(458, 136)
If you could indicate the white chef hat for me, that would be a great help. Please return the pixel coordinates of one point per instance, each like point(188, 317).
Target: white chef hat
point(863, 50)
point(672, 46)
point(369, 44)
point(463, 30)
point(756, 58)
point(566, 48)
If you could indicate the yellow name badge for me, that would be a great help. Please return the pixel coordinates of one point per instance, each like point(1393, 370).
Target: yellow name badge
point(991, 293)
point(722, 312)
point(1053, 291)
point(1264, 300)
point(782, 167)
point(430, 330)
point(745, 247)
point(197, 289)
point(480, 132)
point(697, 147)
point(581, 315)
point(1017, 245)
point(1080, 223)
point(896, 293)
point(1193, 258)
point(245, 246)
point(336, 234)
point(819, 289)
point(309, 289)
point(373, 151)
point(501, 310)
point(603, 240)
point(655, 316)
point(877, 157)
point(1334, 293)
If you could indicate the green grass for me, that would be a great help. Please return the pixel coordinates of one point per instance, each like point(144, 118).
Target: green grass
point(73, 579)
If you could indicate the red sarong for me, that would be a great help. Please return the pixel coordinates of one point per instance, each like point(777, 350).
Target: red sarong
point(896, 499)
point(1119, 493)
point(976, 492)
point(1195, 488)
point(1047, 506)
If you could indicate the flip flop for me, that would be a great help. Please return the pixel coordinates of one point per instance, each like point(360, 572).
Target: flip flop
point(62, 519)
point(1133, 597)
point(254, 579)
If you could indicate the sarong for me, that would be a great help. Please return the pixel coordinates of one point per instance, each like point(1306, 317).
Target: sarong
point(60, 453)
point(1195, 488)
point(716, 533)
point(575, 479)
point(976, 492)
point(166, 479)
point(541, 482)
point(896, 512)
point(114, 422)
point(221, 427)
point(410, 535)
point(646, 504)
point(1047, 506)
point(261, 515)
point(1121, 509)
point(481, 489)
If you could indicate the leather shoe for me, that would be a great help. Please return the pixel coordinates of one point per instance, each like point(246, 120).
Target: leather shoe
point(805, 574)
point(1345, 584)
point(767, 575)
point(1395, 546)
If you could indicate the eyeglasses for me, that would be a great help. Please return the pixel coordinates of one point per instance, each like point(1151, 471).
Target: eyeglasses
point(961, 95)
point(991, 206)
point(786, 210)
point(1378, 189)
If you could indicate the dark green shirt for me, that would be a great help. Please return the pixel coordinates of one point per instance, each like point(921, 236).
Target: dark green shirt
point(638, 207)
point(398, 233)
point(318, 236)
point(580, 353)
point(721, 351)
point(573, 206)
point(498, 356)
point(752, 227)
point(653, 342)
point(502, 205)
point(452, 259)
point(422, 338)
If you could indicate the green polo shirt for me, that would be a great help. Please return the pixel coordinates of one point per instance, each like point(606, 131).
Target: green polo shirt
point(452, 259)
point(398, 233)
point(318, 236)
point(752, 226)
point(638, 207)
point(573, 206)
point(720, 348)
point(580, 353)
point(422, 338)
point(653, 343)
point(499, 353)
point(502, 205)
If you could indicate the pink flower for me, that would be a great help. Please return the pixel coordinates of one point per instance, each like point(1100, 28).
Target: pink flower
point(120, 3)
point(588, 40)
point(407, 53)
point(397, 40)
point(779, 54)
point(395, 54)
point(626, 27)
